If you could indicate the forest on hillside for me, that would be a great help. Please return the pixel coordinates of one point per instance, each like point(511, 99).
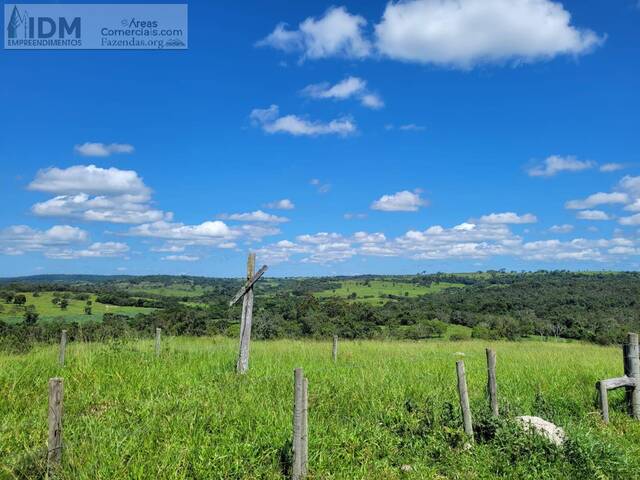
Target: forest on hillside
point(594, 307)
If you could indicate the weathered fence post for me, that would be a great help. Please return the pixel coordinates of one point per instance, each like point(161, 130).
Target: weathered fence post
point(305, 426)
point(603, 400)
point(158, 334)
point(246, 319)
point(63, 347)
point(298, 423)
point(334, 353)
point(464, 399)
point(632, 370)
point(492, 385)
point(54, 444)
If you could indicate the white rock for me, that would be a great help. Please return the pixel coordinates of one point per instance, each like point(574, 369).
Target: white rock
point(550, 431)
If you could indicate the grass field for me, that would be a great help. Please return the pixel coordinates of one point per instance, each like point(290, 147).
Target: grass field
point(75, 310)
point(384, 405)
point(376, 291)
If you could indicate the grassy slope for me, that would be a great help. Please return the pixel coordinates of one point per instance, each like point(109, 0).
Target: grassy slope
point(187, 415)
point(48, 310)
point(378, 288)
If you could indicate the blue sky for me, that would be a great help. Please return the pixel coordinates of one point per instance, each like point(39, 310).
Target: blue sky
point(332, 138)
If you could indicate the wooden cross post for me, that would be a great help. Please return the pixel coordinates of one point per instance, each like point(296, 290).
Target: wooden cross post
point(246, 293)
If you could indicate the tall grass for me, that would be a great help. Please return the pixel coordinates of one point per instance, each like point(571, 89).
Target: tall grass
point(385, 410)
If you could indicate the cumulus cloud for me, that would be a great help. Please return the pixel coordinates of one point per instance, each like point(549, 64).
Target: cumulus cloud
point(89, 179)
point(404, 201)
point(92, 193)
point(270, 121)
point(210, 233)
point(632, 220)
point(181, 258)
point(350, 87)
point(336, 34)
point(464, 241)
point(596, 199)
point(18, 239)
point(611, 167)
point(564, 228)
point(465, 33)
point(257, 216)
point(95, 250)
point(592, 215)
point(556, 164)
point(508, 217)
point(90, 149)
point(284, 204)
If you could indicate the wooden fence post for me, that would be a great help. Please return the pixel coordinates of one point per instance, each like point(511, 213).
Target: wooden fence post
point(632, 370)
point(492, 385)
point(334, 353)
point(247, 317)
point(158, 334)
point(54, 444)
point(603, 401)
point(464, 399)
point(63, 347)
point(298, 415)
point(305, 426)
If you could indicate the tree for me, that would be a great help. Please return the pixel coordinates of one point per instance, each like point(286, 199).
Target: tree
point(64, 303)
point(87, 310)
point(19, 299)
point(30, 315)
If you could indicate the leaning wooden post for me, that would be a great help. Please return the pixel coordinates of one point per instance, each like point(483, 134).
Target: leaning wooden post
point(63, 347)
point(603, 400)
point(54, 444)
point(632, 370)
point(247, 317)
point(305, 427)
point(464, 399)
point(492, 385)
point(158, 334)
point(298, 423)
point(334, 353)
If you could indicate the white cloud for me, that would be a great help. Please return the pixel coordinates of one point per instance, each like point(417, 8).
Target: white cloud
point(565, 228)
point(284, 204)
point(210, 233)
point(114, 209)
point(465, 33)
point(556, 164)
point(404, 201)
point(89, 179)
point(336, 34)
point(596, 199)
point(92, 193)
point(95, 250)
point(354, 216)
point(508, 217)
point(18, 239)
point(320, 187)
point(632, 220)
point(611, 167)
point(257, 216)
point(270, 121)
point(347, 88)
point(592, 215)
point(181, 258)
point(90, 149)
point(169, 248)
